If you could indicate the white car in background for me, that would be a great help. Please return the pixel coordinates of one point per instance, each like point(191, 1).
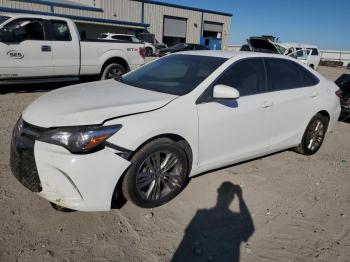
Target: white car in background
point(307, 54)
point(149, 48)
point(184, 114)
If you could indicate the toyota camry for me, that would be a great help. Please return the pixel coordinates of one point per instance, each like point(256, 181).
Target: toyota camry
point(144, 135)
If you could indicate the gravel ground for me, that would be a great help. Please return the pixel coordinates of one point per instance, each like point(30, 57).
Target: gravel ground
point(283, 207)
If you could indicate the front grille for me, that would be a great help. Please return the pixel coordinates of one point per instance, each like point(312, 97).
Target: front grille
point(22, 159)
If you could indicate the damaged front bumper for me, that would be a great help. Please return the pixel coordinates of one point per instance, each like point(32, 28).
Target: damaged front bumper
point(79, 182)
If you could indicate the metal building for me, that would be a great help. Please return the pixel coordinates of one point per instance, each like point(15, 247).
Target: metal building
point(154, 21)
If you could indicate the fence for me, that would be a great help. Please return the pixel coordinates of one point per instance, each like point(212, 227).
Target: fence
point(339, 56)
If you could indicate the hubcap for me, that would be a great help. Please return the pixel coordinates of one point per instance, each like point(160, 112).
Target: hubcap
point(315, 135)
point(159, 175)
point(114, 73)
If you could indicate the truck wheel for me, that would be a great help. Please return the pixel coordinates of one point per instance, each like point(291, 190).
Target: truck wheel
point(312, 66)
point(148, 51)
point(113, 71)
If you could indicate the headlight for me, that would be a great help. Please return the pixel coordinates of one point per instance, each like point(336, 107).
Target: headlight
point(80, 139)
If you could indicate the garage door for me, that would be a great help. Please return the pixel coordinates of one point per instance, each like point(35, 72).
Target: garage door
point(213, 27)
point(175, 27)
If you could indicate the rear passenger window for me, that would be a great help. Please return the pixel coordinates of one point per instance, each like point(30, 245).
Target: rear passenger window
point(247, 76)
point(284, 74)
point(308, 78)
point(123, 38)
point(60, 31)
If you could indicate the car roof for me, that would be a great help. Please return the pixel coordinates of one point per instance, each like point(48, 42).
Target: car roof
point(231, 54)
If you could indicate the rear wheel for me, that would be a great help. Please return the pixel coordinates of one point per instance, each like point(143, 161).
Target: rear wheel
point(158, 173)
point(113, 71)
point(313, 136)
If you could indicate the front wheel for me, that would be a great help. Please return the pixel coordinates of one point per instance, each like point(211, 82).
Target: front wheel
point(158, 174)
point(313, 136)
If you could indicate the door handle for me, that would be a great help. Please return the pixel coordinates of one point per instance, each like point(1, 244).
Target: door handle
point(314, 94)
point(267, 104)
point(46, 48)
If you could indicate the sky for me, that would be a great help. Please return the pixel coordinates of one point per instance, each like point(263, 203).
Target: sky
point(325, 23)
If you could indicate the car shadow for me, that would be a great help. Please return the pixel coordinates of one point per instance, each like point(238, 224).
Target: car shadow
point(216, 234)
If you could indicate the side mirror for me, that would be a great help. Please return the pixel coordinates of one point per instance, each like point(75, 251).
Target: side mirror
point(225, 92)
point(7, 36)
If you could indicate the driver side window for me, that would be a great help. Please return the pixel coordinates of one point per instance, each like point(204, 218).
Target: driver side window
point(26, 29)
point(247, 76)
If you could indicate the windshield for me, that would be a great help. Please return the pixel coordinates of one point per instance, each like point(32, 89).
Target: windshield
point(3, 19)
point(175, 74)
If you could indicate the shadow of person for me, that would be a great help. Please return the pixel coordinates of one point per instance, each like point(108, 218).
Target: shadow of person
point(216, 234)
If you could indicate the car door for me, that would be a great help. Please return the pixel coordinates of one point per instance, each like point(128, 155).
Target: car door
point(293, 92)
point(302, 54)
point(315, 58)
point(28, 54)
point(235, 130)
point(65, 49)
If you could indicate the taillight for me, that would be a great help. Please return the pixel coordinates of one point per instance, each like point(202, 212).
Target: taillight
point(142, 51)
point(339, 93)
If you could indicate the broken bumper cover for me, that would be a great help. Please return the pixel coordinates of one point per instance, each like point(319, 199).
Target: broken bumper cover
point(79, 182)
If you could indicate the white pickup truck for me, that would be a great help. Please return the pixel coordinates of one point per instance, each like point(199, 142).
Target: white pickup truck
point(36, 48)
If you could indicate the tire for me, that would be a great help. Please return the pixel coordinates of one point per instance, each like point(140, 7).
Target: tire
point(112, 71)
point(316, 131)
point(146, 183)
point(312, 66)
point(148, 51)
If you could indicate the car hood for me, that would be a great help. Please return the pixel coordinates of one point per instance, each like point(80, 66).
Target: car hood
point(259, 44)
point(92, 103)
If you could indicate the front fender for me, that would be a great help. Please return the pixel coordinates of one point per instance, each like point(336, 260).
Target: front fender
point(139, 128)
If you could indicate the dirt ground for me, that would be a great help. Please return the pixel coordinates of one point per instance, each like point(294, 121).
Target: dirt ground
point(291, 208)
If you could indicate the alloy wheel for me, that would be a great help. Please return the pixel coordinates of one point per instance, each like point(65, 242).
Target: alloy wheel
point(115, 73)
point(159, 175)
point(315, 135)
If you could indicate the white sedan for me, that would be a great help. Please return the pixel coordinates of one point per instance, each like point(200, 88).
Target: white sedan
point(149, 48)
point(144, 135)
